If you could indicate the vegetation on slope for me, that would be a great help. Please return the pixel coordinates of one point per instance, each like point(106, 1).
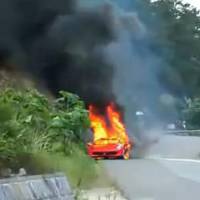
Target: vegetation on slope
point(44, 136)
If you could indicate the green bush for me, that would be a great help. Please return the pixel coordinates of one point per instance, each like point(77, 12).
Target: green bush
point(29, 123)
point(45, 136)
point(192, 114)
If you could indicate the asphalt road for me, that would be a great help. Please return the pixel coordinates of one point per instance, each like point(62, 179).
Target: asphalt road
point(170, 170)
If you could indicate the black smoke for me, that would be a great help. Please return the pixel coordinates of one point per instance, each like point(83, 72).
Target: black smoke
point(59, 45)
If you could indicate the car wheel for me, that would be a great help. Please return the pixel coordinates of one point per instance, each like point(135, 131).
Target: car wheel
point(126, 155)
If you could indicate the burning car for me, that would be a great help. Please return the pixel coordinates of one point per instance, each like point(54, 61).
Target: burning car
point(110, 139)
point(109, 148)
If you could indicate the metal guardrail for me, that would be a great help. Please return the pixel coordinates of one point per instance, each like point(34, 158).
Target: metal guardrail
point(183, 132)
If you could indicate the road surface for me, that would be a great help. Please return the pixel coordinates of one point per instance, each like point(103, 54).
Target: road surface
point(170, 170)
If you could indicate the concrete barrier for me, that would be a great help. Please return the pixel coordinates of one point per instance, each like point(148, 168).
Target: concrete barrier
point(45, 187)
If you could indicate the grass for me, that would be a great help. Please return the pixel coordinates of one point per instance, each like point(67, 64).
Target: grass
point(82, 171)
point(33, 143)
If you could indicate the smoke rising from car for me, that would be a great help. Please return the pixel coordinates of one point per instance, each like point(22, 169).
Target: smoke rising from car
point(99, 52)
point(136, 84)
point(60, 45)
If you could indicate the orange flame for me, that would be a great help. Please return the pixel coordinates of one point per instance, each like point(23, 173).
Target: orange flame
point(107, 128)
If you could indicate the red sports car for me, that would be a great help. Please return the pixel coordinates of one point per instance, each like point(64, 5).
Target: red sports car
point(109, 149)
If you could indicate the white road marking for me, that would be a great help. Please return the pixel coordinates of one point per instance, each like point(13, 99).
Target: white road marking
point(184, 168)
point(174, 159)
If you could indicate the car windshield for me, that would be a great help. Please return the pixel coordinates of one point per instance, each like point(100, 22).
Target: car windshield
point(107, 141)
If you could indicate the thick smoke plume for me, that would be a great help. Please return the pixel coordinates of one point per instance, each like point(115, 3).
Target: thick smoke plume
point(60, 45)
point(98, 51)
point(135, 82)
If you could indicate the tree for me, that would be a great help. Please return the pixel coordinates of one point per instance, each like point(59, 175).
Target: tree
point(173, 29)
point(192, 113)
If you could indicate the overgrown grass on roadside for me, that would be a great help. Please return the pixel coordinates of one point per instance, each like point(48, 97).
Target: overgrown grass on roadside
point(80, 169)
point(45, 136)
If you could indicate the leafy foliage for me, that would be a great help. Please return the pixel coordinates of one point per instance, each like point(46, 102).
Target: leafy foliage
point(174, 35)
point(192, 113)
point(173, 29)
point(29, 123)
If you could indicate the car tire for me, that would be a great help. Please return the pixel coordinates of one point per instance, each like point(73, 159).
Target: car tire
point(126, 155)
